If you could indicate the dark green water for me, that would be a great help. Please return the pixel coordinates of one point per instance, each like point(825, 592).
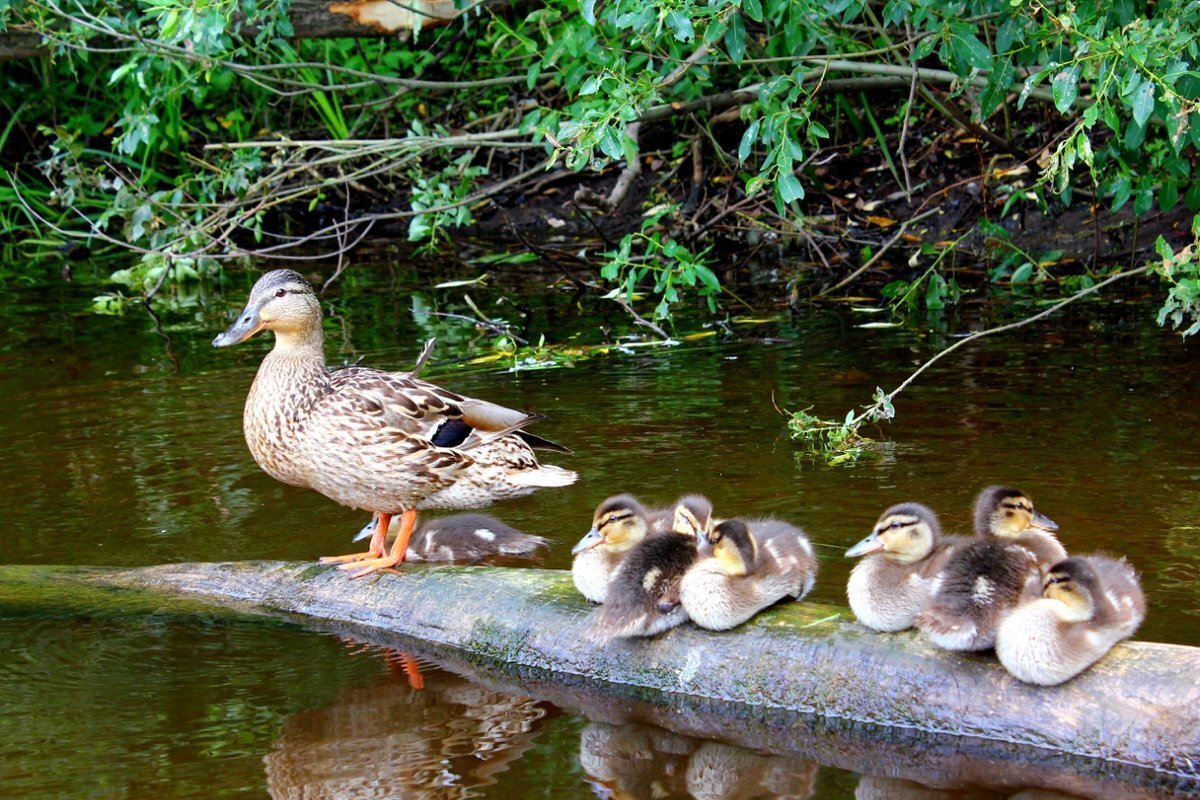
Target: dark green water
point(122, 446)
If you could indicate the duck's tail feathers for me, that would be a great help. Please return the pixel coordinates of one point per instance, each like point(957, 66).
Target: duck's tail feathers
point(545, 476)
point(493, 417)
point(541, 443)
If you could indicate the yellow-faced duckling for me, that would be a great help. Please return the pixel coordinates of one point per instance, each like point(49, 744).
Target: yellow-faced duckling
point(387, 442)
point(620, 523)
point(643, 596)
point(1008, 513)
point(984, 578)
point(462, 538)
point(1086, 605)
point(742, 570)
point(903, 555)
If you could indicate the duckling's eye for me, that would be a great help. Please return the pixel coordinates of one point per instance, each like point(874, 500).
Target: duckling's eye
point(896, 524)
point(281, 293)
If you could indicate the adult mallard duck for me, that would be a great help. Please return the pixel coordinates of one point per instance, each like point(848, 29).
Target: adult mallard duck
point(743, 568)
point(643, 595)
point(462, 537)
point(984, 578)
point(903, 555)
point(383, 441)
point(1085, 606)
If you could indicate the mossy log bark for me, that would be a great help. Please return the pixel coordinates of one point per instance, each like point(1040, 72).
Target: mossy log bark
point(1140, 705)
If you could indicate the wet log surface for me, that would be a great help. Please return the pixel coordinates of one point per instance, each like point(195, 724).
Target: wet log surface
point(802, 677)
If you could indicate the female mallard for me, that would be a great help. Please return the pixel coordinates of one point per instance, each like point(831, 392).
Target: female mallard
point(743, 568)
point(643, 595)
point(619, 524)
point(904, 553)
point(1086, 605)
point(462, 537)
point(384, 441)
point(984, 578)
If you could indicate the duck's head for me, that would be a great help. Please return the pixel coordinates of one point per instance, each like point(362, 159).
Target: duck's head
point(1074, 584)
point(1007, 513)
point(281, 301)
point(693, 516)
point(620, 522)
point(905, 533)
point(732, 545)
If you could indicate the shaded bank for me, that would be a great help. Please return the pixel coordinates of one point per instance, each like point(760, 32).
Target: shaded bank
point(799, 667)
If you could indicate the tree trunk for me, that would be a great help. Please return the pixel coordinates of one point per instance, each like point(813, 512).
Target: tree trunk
point(797, 670)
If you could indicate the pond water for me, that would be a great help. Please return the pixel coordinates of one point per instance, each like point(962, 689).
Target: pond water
point(122, 446)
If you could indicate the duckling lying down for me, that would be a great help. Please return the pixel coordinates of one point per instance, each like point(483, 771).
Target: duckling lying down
point(1085, 606)
point(643, 596)
point(743, 568)
point(462, 537)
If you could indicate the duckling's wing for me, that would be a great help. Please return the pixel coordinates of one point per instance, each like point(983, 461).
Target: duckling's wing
point(1121, 603)
point(643, 595)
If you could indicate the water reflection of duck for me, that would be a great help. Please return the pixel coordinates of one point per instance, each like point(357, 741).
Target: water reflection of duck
point(1086, 605)
point(395, 741)
point(743, 568)
point(462, 537)
point(644, 593)
point(903, 555)
point(619, 524)
point(984, 578)
point(384, 441)
point(646, 763)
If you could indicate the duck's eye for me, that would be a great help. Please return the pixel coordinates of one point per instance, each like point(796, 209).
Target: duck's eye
point(281, 293)
point(896, 524)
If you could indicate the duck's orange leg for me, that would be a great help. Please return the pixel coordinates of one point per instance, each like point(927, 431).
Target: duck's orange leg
point(374, 550)
point(408, 521)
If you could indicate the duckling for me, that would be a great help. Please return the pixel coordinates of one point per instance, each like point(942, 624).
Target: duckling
point(1009, 513)
point(643, 595)
point(1086, 605)
point(742, 570)
point(620, 523)
point(905, 551)
point(984, 578)
point(462, 537)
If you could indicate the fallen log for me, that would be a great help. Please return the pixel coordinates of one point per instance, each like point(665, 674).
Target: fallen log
point(798, 670)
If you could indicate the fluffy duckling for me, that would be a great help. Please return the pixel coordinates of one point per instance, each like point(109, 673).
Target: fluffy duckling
point(644, 594)
point(984, 578)
point(904, 553)
point(462, 537)
point(1008, 513)
point(741, 571)
point(1086, 605)
point(620, 524)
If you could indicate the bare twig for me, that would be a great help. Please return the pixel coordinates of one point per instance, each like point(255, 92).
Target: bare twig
point(878, 255)
point(623, 302)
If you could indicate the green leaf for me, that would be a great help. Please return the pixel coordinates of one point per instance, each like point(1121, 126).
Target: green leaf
point(735, 39)
point(790, 188)
point(748, 140)
point(587, 8)
point(590, 86)
point(1168, 196)
point(753, 9)
point(681, 25)
point(997, 87)
point(971, 51)
point(1122, 188)
point(1143, 103)
point(1022, 273)
point(1065, 88)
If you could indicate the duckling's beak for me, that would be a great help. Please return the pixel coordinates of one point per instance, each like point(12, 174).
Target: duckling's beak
point(870, 544)
point(367, 530)
point(248, 323)
point(1043, 523)
point(589, 540)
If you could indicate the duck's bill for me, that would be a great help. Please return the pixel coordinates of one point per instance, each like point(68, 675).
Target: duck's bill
point(367, 531)
point(871, 544)
point(247, 324)
point(589, 540)
point(1042, 522)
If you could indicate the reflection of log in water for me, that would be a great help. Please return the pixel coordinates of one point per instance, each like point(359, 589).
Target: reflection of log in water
point(640, 762)
point(393, 740)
